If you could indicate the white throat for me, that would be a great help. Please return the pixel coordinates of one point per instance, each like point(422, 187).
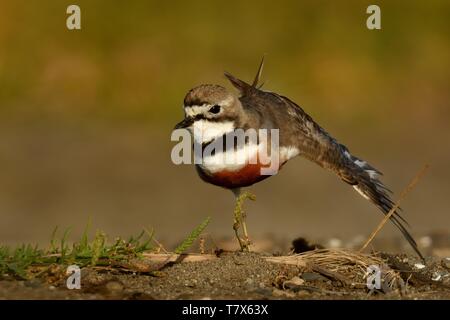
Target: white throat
point(205, 131)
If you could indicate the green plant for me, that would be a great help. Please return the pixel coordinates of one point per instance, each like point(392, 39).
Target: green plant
point(17, 261)
point(96, 252)
point(187, 243)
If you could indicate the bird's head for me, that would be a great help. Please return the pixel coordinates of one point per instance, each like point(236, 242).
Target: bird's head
point(214, 109)
point(211, 105)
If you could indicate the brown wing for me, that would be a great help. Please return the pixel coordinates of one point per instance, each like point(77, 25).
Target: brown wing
point(318, 146)
point(315, 144)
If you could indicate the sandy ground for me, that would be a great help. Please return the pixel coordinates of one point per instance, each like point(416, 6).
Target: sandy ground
point(231, 276)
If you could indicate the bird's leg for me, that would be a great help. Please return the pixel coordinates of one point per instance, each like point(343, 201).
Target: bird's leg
point(240, 216)
point(242, 198)
point(237, 218)
point(236, 228)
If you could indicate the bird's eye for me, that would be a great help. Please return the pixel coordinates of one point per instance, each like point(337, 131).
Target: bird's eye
point(215, 109)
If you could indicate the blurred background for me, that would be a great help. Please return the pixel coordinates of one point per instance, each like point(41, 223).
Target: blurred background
point(86, 115)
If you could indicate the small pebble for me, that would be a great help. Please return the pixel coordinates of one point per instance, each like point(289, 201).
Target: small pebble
point(419, 266)
point(446, 263)
point(437, 276)
point(293, 283)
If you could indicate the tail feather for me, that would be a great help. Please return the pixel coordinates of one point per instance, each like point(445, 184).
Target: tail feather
point(366, 182)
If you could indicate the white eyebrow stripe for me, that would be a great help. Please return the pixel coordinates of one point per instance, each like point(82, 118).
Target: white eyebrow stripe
point(192, 111)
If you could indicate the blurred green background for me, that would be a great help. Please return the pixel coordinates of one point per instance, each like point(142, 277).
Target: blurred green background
point(86, 115)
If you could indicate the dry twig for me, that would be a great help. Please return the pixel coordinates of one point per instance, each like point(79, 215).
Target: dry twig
point(409, 187)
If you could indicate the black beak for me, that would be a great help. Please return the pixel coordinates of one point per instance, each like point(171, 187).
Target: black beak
point(187, 122)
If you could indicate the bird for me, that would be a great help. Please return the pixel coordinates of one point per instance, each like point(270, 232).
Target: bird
point(222, 112)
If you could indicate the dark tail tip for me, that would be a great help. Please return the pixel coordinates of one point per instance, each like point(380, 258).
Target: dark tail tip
point(375, 191)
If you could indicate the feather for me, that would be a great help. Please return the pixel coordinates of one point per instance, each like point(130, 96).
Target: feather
point(259, 73)
point(242, 86)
